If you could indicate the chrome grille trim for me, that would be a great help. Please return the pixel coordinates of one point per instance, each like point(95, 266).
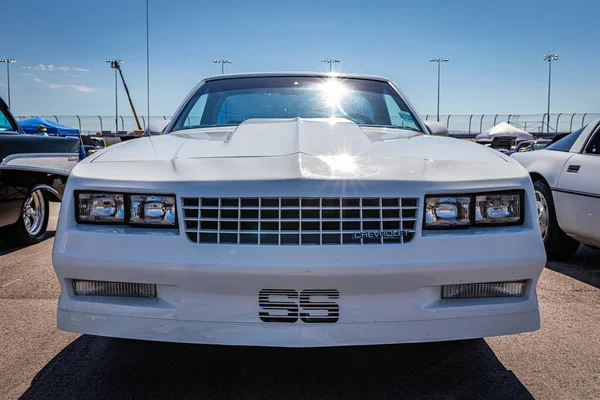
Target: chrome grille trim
point(298, 221)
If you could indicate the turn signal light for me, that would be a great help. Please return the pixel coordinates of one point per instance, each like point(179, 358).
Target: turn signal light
point(479, 290)
point(123, 289)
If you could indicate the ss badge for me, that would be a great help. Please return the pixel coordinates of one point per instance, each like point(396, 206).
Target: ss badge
point(311, 305)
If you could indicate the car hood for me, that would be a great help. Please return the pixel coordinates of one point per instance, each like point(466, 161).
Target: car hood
point(18, 143)
point(305, 148)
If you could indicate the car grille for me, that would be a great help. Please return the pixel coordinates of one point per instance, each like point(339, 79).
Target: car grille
point(299, 221)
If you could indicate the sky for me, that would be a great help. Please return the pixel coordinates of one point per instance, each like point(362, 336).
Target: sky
point(495, 50)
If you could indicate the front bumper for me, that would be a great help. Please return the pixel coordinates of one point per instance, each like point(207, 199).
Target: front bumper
point(283, 335)
point(210, 293)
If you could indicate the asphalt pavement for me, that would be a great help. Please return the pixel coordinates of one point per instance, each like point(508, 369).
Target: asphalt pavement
point(37, 361)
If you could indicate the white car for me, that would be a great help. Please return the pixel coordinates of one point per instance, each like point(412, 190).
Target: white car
point(298, 210)
point(566, 178)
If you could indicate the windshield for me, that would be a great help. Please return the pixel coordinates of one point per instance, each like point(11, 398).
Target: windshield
point(5, 124)
point(566, 142)
point(232, 101)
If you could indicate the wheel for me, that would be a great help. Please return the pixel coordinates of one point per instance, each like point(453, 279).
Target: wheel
point(558, 244)
point(31, 227)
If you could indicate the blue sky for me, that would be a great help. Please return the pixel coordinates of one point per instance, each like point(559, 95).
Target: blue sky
point(495, 50)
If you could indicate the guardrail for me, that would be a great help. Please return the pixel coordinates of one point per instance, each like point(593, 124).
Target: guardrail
point(474, 124)
point(463, 125)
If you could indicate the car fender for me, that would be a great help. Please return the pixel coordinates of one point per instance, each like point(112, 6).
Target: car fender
point(546, 163)
point(18, 183)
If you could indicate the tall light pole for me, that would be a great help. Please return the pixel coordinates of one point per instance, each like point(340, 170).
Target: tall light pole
point(331, 62)
point(549, 58)
point(116, 64)
point(222, 62)
point(8, 61)
point(147, 68)
point(439, 62)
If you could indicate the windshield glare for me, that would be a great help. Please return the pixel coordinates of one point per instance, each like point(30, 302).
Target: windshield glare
point(232, 101)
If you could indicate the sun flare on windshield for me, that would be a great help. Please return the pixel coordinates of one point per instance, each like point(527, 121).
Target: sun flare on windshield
point(333, 91)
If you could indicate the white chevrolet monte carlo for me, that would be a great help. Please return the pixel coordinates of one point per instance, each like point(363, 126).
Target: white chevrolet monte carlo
point(298, 210)
point(566, 179)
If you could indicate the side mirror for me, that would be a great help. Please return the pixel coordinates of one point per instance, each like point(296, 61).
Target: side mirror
point(157, 127)
point(436, 129)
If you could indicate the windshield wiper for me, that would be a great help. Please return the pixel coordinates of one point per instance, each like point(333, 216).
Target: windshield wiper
point(405, 128)
point(202, 127)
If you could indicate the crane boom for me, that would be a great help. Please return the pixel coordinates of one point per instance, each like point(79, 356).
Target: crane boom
point(137, 121)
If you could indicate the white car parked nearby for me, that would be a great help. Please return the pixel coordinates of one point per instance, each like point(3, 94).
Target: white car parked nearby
point(566, 177)
point(298, 210)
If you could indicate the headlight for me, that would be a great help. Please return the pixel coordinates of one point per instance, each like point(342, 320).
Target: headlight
point(100, 207)
point(126, 209)
point(152, 210)
point(494, 209)
point(480, 209)
point(447, 211)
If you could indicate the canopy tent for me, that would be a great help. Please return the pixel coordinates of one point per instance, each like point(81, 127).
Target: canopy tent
point(503, 129)
point(30, 125)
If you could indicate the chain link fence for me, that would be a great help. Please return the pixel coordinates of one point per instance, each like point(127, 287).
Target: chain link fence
point(459, 125)
point(533, 123)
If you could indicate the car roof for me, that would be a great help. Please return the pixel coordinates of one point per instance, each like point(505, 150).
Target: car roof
point(296, 74)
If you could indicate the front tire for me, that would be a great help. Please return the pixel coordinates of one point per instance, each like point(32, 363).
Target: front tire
point(559, 245)
point(31, 226)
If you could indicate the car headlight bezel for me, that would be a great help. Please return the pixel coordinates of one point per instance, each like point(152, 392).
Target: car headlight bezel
point(473, 223)
point(77, 207)
point(130, 216)
point(127, 201)
point(521, 208)
point(446, 200)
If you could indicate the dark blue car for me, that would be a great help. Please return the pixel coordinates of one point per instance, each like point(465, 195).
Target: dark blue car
point(33, 171)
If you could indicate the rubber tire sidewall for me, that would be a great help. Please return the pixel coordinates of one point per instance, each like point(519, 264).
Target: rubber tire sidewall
point(558, 244)
point(17, 235)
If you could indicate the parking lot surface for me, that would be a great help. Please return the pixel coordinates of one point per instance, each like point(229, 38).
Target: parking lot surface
point(560, 361)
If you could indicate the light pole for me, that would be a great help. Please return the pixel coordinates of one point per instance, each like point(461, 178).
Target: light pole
point(331, 62)
point(147, 68)
point(222, 62)
point(116, 64)
point(8, 61)
point(549, 58)
point(439, 62)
